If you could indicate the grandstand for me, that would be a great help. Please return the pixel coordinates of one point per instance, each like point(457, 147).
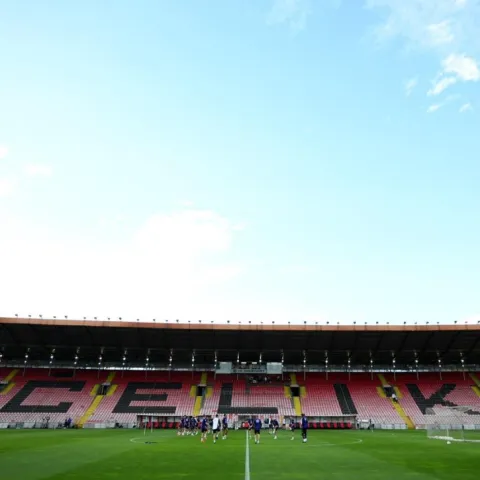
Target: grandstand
point(36, 394)
point(106, 374)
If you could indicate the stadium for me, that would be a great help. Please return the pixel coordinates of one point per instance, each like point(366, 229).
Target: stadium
point(238, 240)
point(107, 399)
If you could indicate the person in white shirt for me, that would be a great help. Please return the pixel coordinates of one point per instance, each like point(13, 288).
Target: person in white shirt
point(216, 428)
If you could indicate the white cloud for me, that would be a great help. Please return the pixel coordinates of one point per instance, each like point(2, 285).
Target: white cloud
point(3, 151)
point(38, 170)
point(466, 107)
point(455, 68)
point(422, 24)
point(294, 13)
point(7, 186)
point(434, 108)
point(441, 85)
point(410, 85)
point(439, 27)
point(466, 68)
point(440, 33)
point(171, 267)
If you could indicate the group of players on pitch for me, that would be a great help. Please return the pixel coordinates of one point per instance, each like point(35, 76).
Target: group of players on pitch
point(192, 426)
point(255, 425)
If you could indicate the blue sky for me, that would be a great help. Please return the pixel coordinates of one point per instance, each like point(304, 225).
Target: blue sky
point(254, 160)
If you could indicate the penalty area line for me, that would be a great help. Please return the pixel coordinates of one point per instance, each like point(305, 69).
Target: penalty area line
point(247, 458)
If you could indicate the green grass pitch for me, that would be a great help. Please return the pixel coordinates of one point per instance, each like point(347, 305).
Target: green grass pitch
point(124, 455)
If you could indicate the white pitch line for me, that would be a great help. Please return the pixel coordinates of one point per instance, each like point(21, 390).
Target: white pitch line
point(247, 458)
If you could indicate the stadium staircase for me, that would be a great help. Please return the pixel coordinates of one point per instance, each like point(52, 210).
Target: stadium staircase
point(199, 399)
point(396, 405)
point(10, 385)
point(297, 405)
point(97, 400)
point(476, 387)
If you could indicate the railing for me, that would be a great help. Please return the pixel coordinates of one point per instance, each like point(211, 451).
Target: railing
point(209, 367)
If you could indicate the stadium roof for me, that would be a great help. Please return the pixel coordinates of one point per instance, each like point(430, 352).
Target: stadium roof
point(360, 342)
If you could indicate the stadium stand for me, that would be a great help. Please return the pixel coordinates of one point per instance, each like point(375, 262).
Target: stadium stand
point(429, 391)
point(108, 394)
point(260, 399)
point(369, 404)
point(320, 396)
point(36, 395)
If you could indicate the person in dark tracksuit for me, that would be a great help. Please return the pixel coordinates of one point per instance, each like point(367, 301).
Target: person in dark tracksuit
point(304, 423)
point(292, 428)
